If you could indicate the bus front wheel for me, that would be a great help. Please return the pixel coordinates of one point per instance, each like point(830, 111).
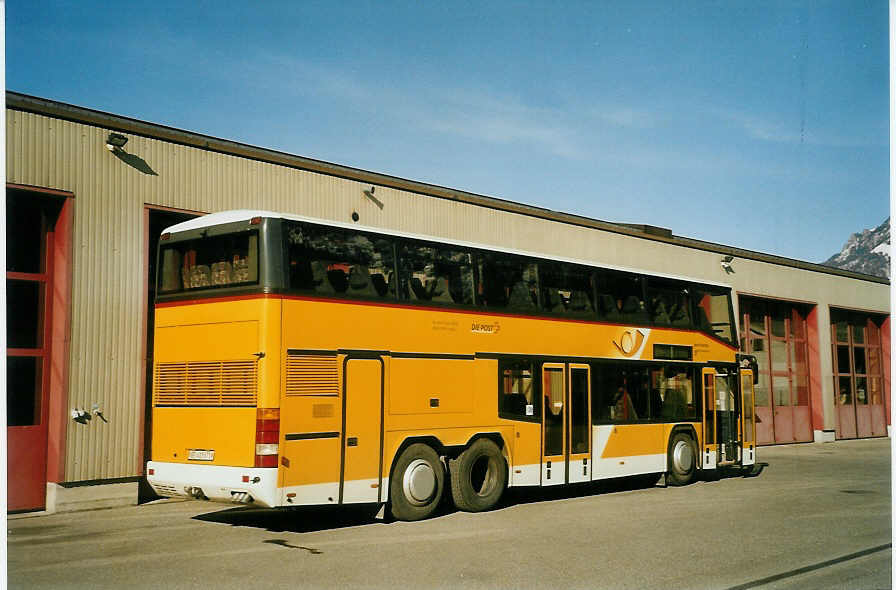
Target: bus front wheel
point(417, 483)
point(478, 476)
point(682, 460)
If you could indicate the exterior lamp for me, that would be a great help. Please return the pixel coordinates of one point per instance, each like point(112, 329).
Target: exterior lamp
point(726, 264)
point(115, 142)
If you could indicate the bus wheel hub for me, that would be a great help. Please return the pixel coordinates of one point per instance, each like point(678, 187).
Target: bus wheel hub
point(419, 482)
point(683, 457)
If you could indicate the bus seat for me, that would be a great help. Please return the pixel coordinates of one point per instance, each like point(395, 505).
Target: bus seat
point(359, 281)
point(702, 320)
point(674, 405)
point(200, 276)
point(319, 280)
point(221, 273)
point(439, 291)
point(660, 315)
point(301, 276)
point(549, 299)
point(607, 307)
point(520, 297)
point(514, 403)
point(379, 283)
point(240, 269)
point(337, 279)
point(633, 310)
point(417, 290)
point(579, 301)
point(679, 316)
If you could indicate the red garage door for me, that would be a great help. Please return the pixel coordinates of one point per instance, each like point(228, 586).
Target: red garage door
point(30, 225)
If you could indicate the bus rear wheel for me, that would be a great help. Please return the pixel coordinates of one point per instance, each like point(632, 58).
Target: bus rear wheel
point(417, 483)
point(478, 476)
point(682, 460)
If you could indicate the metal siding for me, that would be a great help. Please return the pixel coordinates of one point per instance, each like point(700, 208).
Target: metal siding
point(105, 361)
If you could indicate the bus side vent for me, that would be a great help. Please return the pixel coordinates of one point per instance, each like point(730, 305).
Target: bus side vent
point(312, 375)
point(208, 383)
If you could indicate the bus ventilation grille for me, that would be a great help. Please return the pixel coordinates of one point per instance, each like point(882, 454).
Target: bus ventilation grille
point(210, 383)
point(312, 375)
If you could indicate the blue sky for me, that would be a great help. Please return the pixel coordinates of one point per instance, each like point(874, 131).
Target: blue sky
point(762, 125)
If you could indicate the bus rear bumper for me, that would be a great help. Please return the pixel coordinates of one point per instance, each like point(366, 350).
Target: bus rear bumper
point(240, 485)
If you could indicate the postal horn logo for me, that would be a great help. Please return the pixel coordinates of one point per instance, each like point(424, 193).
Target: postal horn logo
point(629, 342)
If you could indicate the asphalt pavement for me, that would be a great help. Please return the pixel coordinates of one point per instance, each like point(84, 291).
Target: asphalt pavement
point(818, 517)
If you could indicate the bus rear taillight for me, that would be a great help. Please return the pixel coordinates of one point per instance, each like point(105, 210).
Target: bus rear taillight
point(267, 437)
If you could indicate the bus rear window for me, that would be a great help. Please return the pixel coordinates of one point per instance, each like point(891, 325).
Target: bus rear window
point(209, 263)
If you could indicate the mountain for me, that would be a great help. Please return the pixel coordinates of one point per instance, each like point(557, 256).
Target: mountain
point(867, 252)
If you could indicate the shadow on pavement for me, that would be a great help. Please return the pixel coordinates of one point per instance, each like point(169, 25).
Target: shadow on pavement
point(305, 519)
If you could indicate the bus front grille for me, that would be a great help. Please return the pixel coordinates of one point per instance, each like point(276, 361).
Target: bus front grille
point(206, 383)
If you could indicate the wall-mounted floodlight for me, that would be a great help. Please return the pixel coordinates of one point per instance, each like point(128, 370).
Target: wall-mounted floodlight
point(115, 141)
point(369, 194)
point(726, 264)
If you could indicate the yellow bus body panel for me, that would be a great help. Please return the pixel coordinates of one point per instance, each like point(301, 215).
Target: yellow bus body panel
point(230, 432)
point(215, 332)
point(435, 381)
point(630, 440)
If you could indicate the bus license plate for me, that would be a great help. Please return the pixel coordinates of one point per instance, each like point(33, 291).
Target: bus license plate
point(201, 455)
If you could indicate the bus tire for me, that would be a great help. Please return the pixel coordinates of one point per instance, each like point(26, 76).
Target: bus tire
point(682, 460)
point(417, 483)
point(478, 476)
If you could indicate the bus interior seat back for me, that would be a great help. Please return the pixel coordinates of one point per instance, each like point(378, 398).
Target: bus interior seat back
point(417, 290)
point(222, 273)
point(301, 274)
point(359, 281)
point(379, 283)
point(337, 279)
point(319, 280)
point(200, 276)
point(579, 301)
point(553, 302)
point(520, 297)
point(439, 291)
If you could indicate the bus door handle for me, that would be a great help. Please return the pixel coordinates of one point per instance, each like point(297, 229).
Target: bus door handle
point(352, 441)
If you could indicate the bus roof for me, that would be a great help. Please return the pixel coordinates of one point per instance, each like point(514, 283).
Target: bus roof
point(237, 215)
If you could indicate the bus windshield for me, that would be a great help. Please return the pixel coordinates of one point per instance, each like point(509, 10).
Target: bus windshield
point(714, 312)
point(209, 263)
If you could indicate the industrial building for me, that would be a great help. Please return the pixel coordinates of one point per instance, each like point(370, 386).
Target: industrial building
point(88, 194)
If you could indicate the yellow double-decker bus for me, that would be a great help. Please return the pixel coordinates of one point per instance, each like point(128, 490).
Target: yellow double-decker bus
point(300, 361)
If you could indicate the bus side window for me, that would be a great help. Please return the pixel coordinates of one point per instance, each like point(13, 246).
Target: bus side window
point(669, 303)
point(566, 289)
point(620, 297)
point(620, 392)
point(508, 281)
point(435, 273)
point(517, 395)
point(331, 261)
point(675, 389)
point(603, 391)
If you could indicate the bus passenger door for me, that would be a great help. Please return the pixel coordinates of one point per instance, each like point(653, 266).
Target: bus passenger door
point(580, 464)
point(728, 425)
point(709, 418)
point(362, 433)
point(553, 433)
point(749, 417)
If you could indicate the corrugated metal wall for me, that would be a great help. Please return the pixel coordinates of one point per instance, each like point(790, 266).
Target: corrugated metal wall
point(108, 283)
